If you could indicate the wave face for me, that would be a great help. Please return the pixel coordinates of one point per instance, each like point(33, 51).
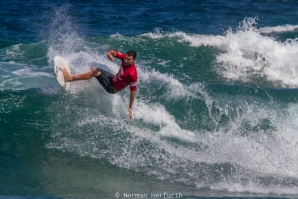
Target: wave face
point(215, 113)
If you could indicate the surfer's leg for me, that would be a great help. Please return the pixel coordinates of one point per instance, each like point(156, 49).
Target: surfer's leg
point(68, 77)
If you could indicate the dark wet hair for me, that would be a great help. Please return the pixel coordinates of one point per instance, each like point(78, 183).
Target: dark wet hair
point(132, 53)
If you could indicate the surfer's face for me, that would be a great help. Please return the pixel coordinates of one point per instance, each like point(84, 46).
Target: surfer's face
point(128, 60)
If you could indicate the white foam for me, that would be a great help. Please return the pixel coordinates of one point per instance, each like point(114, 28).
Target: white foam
point(157, 114)
point(174, 88)
point(157, 34)
point(284, 28)
point(193, 39)
point(29, 73)
point(247, 54)
point(252, 188)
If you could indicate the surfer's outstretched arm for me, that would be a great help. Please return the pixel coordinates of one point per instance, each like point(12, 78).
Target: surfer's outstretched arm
point(132, 98)
point(69, 78)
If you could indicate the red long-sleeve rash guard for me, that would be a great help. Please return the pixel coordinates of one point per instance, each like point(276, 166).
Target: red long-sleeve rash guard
point(127, 75)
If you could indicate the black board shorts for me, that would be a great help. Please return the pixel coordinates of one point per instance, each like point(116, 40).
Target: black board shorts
point(105, 79)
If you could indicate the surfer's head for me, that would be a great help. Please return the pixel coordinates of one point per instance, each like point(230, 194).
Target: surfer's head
point(130, 57)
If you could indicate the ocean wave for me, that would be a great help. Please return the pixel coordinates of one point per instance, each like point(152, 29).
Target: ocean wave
point(248, 56)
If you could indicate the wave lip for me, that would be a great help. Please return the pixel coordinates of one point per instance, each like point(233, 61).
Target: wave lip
point(277, 29)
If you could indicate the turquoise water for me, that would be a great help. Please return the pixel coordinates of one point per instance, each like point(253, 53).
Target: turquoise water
point(215, 113)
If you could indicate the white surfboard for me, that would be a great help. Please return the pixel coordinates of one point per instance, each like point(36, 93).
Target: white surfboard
point(60, 63)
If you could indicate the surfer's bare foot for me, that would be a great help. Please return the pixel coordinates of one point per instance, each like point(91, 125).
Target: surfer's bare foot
point(67, 76)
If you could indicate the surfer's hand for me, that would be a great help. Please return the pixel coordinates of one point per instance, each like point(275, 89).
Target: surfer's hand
point(130, 112)
point(110, 57)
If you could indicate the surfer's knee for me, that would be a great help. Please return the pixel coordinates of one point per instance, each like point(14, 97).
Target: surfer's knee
point(95, 72)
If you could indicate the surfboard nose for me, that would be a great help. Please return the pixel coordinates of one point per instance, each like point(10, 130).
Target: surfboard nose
point(60, 63)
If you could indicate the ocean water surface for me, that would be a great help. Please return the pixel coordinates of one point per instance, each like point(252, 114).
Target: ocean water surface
point(215, 113)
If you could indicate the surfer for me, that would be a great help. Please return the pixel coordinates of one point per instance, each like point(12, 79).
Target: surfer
point(127, 75)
